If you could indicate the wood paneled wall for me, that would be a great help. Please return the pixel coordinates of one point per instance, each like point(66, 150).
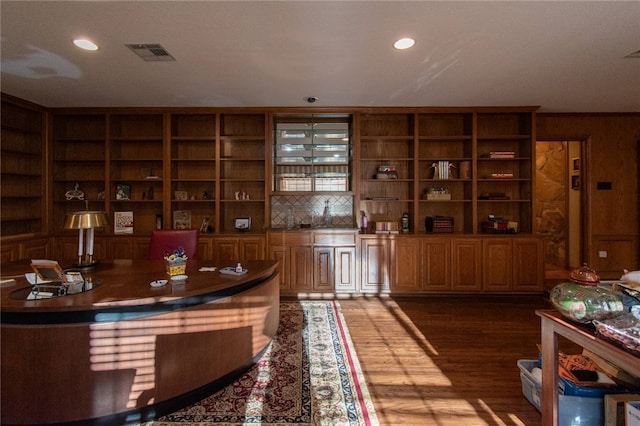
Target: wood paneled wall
point(612, 156)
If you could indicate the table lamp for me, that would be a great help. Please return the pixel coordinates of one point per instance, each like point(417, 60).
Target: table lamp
point(89, 220)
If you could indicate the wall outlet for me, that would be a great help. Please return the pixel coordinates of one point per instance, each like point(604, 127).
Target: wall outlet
point(602, 253)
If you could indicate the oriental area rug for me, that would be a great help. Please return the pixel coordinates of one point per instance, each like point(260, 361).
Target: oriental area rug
point(309, 375)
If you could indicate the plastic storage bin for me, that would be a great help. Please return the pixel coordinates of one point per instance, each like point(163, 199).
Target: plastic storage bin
point(572, 410)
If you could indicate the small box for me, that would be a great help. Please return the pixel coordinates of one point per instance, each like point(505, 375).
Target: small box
point(176, 267)
point(436, 196)
point(632, 413)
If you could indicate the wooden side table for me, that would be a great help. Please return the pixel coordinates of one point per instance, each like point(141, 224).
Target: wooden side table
point(554, 325)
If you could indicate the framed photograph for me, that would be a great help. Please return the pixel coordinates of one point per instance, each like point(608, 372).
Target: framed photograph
point(204, 226)
point(123, 191)
point(181, 195)
point(182, 219)
point(576, 164)
point(242, 223)
point(575, 182)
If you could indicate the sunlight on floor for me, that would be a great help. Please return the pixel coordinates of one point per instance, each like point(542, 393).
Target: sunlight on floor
point(404, 363)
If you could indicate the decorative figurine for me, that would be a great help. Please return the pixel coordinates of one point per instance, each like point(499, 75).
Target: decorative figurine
point(74, 193)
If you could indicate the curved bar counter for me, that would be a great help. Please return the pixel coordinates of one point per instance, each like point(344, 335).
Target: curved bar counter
point(126, 352)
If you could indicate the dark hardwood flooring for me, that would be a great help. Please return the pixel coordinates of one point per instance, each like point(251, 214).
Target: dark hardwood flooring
point(447, 360)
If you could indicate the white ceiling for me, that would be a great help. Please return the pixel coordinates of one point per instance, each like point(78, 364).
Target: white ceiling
point(566, 56)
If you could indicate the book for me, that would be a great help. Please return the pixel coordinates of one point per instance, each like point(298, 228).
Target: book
point(182, 219)
point(502, 154)
point(123, 222)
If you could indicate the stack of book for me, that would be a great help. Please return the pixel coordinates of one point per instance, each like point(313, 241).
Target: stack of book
point(502, 154)
point(493, 196)
point(387, 228)
point(499, 225)
point(387, 171)
point(439, 224)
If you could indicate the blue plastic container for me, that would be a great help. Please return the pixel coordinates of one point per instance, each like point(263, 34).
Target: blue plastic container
point(572, 410)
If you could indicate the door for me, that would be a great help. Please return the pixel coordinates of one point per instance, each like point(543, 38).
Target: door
point(559, 198)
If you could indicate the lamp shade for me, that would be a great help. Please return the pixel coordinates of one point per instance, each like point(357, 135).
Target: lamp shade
point(86, 220)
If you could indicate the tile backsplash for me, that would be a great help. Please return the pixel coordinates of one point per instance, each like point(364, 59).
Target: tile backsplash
point(309, 209)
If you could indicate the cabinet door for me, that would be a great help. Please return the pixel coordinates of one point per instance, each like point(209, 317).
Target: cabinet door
point(281, 254)
point(405, 265)
point(375, 265)
point(36, 249)
point(66, 248)
point(119, 248)
point(528, 259)
point(345, 269)
point(226, 250)
point(323, 274)
point(9, 252)
point(466, 266)
point(497, 259)
point(301, 272)
point(252, 248)
point(436, 260)
point(140, 247)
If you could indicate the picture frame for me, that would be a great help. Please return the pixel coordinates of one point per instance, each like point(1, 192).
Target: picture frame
point(204, 226)
point(575, 182)
point(242, 223)
point(576, 164)
point(123, 191)
point(182, 219)
point(181, 195)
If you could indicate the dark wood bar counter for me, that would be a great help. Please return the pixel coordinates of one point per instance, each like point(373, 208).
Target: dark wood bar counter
point(124, 351)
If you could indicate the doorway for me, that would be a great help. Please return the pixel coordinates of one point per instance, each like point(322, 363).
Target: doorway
point(558, 202)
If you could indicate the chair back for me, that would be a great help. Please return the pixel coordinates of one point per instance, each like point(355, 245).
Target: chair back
point(164, 242)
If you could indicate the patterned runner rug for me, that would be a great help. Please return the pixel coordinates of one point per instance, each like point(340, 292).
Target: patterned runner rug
point(310, 375)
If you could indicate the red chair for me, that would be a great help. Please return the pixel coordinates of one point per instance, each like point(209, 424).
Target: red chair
point(164, 242)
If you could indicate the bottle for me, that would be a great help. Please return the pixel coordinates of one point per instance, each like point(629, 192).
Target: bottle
point(364, 222)
point(405, 222)
point(290, 218)
point(326, 215)
point(239, 268)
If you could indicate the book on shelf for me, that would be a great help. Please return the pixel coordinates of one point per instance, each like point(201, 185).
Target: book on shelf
point(443, 224)
point(493, 196)
point(387, 228)
point(502, 154)
point(501, 175)
point(181, 219)
point(123, 222)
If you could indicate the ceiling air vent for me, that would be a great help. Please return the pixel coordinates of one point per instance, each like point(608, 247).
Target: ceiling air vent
point(151, 52)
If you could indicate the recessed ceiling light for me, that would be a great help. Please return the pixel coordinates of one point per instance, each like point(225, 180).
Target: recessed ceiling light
point(404, 43)
point(85, 44)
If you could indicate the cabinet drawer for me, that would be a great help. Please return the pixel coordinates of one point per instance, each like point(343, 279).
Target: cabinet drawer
point(331, 239)
point(290, 239)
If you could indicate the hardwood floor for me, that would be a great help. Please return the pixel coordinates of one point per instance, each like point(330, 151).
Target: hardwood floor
point(447, 360)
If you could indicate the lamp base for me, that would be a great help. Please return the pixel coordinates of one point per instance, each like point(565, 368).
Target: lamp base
point(85, 266)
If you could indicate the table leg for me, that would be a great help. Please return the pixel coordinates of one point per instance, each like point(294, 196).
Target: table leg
point(549, 373)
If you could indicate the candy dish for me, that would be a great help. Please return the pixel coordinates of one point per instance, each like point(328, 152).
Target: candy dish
point(158, 283)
